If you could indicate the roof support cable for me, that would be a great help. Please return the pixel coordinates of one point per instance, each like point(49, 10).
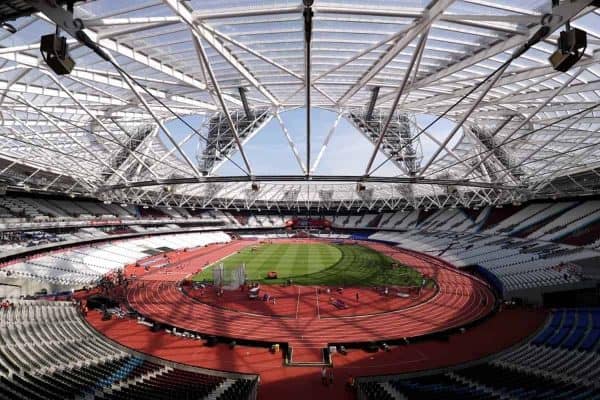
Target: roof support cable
point(540, 34)
point(308, 26)
point(85, 39)
point(83, 129)
point(526, 134)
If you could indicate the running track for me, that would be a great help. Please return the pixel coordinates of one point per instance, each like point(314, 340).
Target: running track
point(461, 299)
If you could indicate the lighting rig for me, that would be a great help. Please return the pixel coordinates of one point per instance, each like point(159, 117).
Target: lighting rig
point(55, 53)
point(571, 43)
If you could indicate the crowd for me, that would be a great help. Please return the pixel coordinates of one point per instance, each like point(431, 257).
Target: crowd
point(6, 304)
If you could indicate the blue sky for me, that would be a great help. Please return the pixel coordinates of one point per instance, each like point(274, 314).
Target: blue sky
point(348, 151)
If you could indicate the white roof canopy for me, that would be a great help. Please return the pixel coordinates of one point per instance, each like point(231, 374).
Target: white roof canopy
point(518, 128)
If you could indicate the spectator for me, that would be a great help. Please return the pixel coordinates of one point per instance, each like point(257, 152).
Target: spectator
point(350, 382)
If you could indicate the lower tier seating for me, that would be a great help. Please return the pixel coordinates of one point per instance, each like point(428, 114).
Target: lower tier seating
point(87, 265)
point(561, 362)
point(48, 352)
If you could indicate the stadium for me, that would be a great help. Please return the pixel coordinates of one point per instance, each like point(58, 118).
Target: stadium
point(326, 199)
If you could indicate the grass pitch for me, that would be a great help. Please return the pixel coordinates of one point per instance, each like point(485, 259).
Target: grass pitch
point(319, 264)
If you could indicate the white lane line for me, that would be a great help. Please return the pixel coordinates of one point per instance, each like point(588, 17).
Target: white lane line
point(318, 310)
point(298, 302)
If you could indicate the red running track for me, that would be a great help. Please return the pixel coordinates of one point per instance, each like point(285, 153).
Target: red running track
point(311, 301)
point(461, 299)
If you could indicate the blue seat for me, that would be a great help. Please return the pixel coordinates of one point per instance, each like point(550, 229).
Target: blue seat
point(569, 318)
point(580, 329)
point(590, 340)
point(557, 317)
point(596, 318)
point(543, 336)
point(559, 336)
point(574, 338)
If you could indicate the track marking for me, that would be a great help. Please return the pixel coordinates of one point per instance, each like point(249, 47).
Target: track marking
point(318, 310)
point(298, 302)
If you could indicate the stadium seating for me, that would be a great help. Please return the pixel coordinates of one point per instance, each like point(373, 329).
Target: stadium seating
point(47, 351)
point(561, 362)
point(82, 266)
point(518, 263)
point(519, 245)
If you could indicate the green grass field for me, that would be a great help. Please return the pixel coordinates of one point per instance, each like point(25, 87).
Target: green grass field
point(319, 264)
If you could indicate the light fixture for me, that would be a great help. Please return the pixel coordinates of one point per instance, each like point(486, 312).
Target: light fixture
point(8, 27)
point(571, 43)
point(55, 53)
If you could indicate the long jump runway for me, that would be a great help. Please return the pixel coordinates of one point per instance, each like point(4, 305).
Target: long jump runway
point(459, 300)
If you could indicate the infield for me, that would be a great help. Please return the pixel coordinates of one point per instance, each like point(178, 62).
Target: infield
point(319, 264)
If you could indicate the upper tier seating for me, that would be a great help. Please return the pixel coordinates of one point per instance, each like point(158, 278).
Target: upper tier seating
point(530, 215)
point(16, 207)
point(399, 220)
point(573, 219)
point(48, 352)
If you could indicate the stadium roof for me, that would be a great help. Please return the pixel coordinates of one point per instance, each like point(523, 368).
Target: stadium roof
point(520, 129)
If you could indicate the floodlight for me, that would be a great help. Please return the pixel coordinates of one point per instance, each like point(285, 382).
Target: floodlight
point(8, 27)
point(571, 47)
point(55, 52)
